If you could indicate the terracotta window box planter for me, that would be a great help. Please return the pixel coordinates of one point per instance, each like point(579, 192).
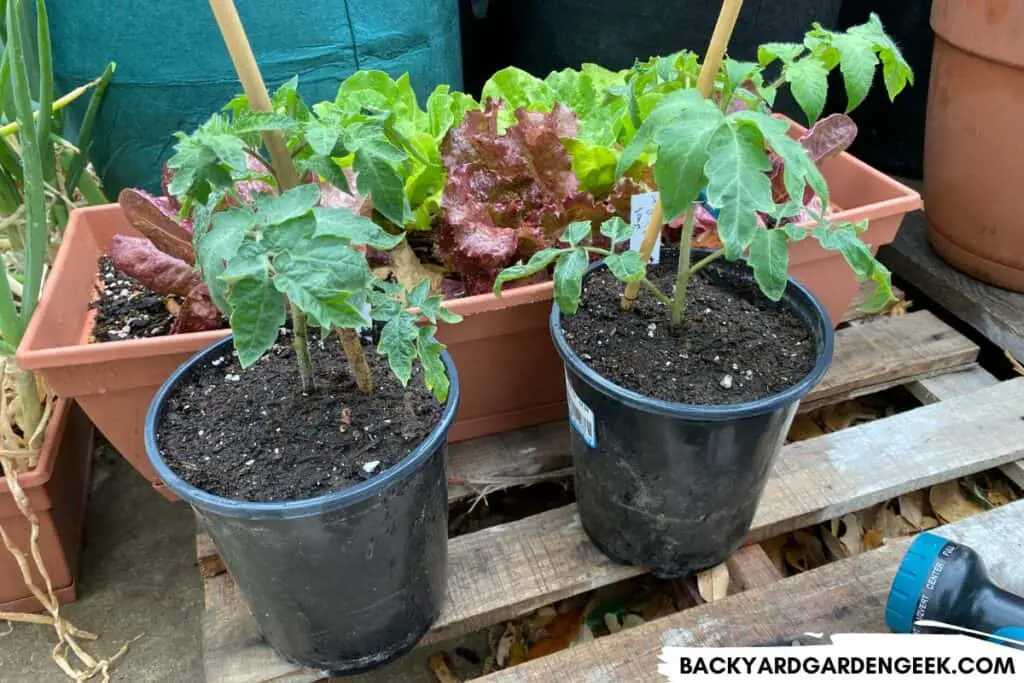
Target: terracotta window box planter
point(57, 490)
point(511, 376)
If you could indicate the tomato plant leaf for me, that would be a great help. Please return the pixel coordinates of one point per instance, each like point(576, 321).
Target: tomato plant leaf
point(379, 178)
point(277, 209)
point(428, 349)
point(683, 154)
point(737, 183)
point(769, 258)
point(627, 266)
point(344, 224)
point(396, 343)
point(787, 52)
point(576, 232)
point(217, 245)
point(857, 62)
point(538, 262)
point(568, 276)
point(616, 229)
point(808, 81)
point(257, 314)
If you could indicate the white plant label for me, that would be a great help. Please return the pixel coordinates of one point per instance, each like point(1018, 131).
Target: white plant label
point(581, 417)
point(641, 206)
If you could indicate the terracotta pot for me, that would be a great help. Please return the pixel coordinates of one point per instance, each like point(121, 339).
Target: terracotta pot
point(973, 172)
point(511, 376)
point(57, 490)
point(502, 347)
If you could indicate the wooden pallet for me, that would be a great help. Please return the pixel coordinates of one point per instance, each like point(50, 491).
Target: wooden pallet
point(970, 423)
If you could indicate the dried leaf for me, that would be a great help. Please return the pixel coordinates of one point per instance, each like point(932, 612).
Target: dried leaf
point(928, 523)
point(912, 508)
point(847, 414)
point(410, 271)
point(853, 538)
point(440, 668)
point(805, 552)
point(510, 650)
point(892, 525)
point(1016, 364)
point(562, 630)
point(833, 548)
point(873, 539)
point(773, 547)
point(949, 503)
point(632, 621)
point(804, 427)
point(611, 622)
point(585, 635)
point(713, 584)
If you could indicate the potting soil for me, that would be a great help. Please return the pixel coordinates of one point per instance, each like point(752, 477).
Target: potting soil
point(127, 309)
point(254, 435)
point(735, 345)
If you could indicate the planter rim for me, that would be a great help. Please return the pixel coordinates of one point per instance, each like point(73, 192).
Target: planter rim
point(290, 509)
point(40, 474)
point(691, 411)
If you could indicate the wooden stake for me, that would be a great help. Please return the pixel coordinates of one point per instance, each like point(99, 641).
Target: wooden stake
point(705, 83)
point(252, 82)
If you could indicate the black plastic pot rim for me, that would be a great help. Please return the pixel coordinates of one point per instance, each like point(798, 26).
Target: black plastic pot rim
point(690, 411)
point(291, 509)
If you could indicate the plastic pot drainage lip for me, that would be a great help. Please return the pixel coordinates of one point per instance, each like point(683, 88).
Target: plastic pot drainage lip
point(674, 487)
point(295, 508)
point(346, 581)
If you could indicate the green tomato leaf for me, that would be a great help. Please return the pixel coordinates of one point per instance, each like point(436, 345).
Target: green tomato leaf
point(276, 209)
point(795, 232)
point(738, 184)
point(569, 271)
point(216, 246)
point(538, 262)
point(320, 275)
point(343, 224)
point(321, 137)
point(683, 154)
point(326, 168)
point(787, 52)
point(769, 258)
point(627, 266)
point(429, 351)
point(396, 343)
point(896, 72)
point(843, 238)
point(883, 293)
point(799, 169)
point(616, 229)
point(808, 80)
point(250, 121)
point(857, 63)
point(417, 296)
point(250, 261)
point(257, 314)
point(379, 178)
point(576, 232)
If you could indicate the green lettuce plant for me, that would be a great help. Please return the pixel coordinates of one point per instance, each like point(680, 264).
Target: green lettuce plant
point(729, 148)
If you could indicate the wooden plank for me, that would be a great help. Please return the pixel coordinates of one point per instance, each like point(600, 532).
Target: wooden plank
point(882, 353)
point(750, 568)
point(508, 570)
point(523, 456)
point(957, 384)
point(888, 352)
point(996, 313)
point(511, 569)
point(843, 597)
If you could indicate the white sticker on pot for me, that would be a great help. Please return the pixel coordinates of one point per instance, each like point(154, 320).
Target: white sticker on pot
point(581, 417)
point(641, 206)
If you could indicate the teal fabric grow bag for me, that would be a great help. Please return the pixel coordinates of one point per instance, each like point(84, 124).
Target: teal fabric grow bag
point(173, 70)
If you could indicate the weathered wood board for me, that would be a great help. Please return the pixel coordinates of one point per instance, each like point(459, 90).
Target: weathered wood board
point(504, 571)
point(998, 314)
point(844, 597)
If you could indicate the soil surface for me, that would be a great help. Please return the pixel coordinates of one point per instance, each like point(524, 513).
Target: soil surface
point(253, 435)
point(735, 345)
point(127, 309)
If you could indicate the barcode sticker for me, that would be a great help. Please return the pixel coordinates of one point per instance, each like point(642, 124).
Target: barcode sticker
point(581, 417)
point(641, 206)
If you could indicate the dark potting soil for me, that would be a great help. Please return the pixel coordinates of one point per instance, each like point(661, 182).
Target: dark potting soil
point(735, 345)
point(127, 309)
point(253, 435)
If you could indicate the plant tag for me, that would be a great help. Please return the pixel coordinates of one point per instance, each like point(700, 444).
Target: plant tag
point(581, 417)
point(641, 206)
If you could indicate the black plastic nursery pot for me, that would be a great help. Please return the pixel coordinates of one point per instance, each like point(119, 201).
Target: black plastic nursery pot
point(673, 487)
point(345, 581)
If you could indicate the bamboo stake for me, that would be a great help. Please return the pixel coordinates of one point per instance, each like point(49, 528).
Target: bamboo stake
point(705, 82)
point(255, 89)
